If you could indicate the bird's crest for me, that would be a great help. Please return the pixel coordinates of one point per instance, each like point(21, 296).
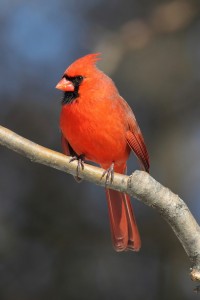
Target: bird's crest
point(83, 65)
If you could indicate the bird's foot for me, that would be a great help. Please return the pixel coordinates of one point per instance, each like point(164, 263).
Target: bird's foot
point(80, 165)
point(109, 173)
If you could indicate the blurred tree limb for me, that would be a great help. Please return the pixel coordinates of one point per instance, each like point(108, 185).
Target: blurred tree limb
point(140, 185)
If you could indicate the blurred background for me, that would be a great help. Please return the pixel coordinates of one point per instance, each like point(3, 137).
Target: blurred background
point(54, 234)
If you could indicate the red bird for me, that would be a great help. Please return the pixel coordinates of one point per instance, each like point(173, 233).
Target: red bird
point(98, 125)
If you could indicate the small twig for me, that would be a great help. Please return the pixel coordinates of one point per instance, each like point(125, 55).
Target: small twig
point(140, 185)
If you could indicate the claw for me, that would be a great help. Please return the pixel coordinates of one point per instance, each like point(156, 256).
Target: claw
point(109, 173)
point(80, 165)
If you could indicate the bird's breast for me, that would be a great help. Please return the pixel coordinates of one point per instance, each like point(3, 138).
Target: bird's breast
point(97, 131)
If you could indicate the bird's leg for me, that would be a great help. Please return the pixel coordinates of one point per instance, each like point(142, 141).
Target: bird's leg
point(80, 165)
point(109, 173)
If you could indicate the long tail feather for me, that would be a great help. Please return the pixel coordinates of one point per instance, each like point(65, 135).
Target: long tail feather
point(124, 229)
point(134, 241)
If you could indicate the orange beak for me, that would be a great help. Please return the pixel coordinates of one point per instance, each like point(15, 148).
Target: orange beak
point(65, 85)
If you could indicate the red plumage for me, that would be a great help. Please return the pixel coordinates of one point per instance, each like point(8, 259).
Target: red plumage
point(97, 123)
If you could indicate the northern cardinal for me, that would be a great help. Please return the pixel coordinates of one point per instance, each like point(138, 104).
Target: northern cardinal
point(98, 125)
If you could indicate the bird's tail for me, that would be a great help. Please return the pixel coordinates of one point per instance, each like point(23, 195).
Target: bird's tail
point(124, 231)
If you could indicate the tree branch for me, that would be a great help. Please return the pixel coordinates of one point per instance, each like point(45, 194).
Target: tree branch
point(140, 185)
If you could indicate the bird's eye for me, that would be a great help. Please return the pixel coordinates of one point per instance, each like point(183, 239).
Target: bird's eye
point(79, 79)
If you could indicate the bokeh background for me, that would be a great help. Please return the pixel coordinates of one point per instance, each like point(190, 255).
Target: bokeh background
point(54, 234)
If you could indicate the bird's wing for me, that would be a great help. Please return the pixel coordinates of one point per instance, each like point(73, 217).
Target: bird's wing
point(136, 143)
point(67, 149)
point(134, 137)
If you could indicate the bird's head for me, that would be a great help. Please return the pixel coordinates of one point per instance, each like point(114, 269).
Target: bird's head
point(76, 75)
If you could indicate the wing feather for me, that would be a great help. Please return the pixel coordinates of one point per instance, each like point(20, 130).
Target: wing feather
point(67, 149)
point(134, 136)
point(136, 143)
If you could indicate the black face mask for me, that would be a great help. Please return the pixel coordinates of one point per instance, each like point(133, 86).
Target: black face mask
point(69, 97)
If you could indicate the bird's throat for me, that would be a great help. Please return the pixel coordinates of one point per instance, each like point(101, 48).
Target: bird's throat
point(69, 97)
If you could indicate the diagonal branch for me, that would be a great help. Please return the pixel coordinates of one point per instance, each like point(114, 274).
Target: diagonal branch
point(140, 185)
